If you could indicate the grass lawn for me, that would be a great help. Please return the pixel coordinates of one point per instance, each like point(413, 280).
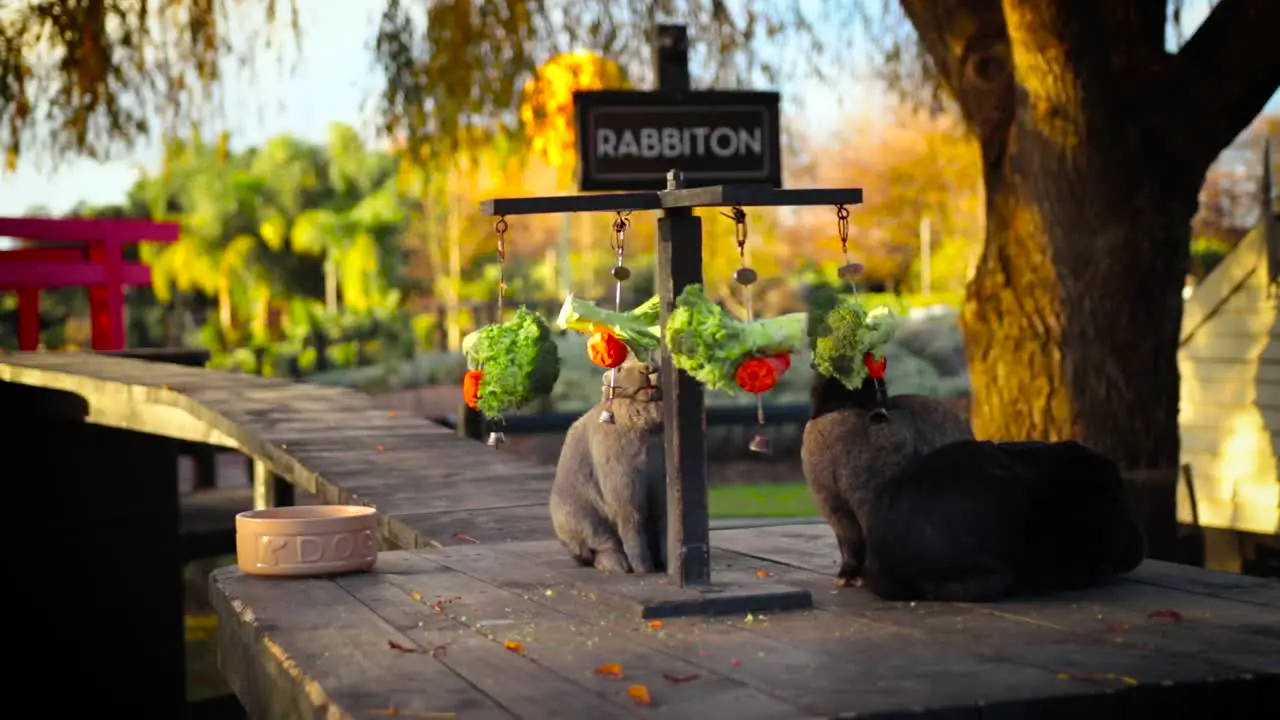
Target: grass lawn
point(761, 501)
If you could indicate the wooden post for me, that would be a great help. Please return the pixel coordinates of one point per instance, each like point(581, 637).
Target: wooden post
point(684, 420)
point(269, 489)
point(106, 301)
point(470, 423)
point(684, 406)
point(110, 556)
point(671, 58)
point(28, 318)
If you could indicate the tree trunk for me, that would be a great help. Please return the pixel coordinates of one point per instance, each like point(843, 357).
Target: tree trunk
point(330, 282)
point(1072, 318)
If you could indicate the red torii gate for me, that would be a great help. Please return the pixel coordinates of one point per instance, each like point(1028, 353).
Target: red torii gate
point(98, 264)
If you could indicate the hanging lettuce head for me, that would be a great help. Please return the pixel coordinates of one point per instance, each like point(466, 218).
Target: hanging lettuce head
point(709, 343)
point(636, 328)
point(519, 359)
point(841, 331)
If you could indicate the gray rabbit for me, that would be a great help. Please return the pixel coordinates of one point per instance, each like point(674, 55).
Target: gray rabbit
point(608, 502)
point(854, 442)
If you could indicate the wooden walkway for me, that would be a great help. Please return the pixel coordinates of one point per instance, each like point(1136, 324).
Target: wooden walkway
point(516, 631)
point(432, 488)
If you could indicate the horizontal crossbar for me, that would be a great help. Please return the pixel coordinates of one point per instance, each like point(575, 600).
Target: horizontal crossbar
point(713, 196)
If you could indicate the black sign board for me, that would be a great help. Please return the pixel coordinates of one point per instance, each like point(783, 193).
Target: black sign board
point(628, 140)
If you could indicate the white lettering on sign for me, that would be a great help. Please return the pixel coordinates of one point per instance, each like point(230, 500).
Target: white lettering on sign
point(668, 142)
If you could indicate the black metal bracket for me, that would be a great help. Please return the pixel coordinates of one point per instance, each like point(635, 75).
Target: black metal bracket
point(686, 198)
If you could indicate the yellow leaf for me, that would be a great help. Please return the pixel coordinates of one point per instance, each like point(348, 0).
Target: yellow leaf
point(514, 646)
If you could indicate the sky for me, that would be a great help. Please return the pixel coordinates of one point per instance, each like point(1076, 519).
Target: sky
point(331, 81)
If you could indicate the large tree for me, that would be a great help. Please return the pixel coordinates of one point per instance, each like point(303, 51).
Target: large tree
point(1094, 140)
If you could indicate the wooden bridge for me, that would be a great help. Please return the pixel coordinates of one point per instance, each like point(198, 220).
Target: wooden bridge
point(474, 611)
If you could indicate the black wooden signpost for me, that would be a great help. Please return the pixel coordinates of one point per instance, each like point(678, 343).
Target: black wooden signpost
point(684, 408)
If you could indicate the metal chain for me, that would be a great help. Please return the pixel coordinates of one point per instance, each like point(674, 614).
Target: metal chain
point(842, 225)
point(739, 218)
point(619, 240)
point(501, 228)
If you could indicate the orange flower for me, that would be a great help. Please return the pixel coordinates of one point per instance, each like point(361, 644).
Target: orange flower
point(606, 350)
point(759, 375)
point(471, 388)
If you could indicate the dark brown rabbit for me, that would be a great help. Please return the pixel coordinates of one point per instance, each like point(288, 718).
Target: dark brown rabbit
point(608, 502)
point(978, 521)
point(854, 442)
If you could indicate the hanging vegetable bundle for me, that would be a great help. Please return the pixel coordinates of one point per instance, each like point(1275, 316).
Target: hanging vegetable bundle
point(848, 340)
point(510, 364)
point(614, 335)
point(725, 353)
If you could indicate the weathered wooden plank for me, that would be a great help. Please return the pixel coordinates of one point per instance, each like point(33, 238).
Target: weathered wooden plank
point(1149, 617)
point(1028, 654)
point(1237, 269)
point(575, 644)
point(514, 523)
point(473, 649)
point(1228, 586)
point(1228, 369)
point(307, 648)
point(811, 547)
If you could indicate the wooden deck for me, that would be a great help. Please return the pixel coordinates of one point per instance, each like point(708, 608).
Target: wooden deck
point(482, 572)
point(431, 487)
point(516, 631)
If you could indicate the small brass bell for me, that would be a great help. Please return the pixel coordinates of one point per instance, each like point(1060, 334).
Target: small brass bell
point(745, 276)
point(760, 444)
point(496, 439)
point(606, 417)
point(621, 273)
point(850, 271)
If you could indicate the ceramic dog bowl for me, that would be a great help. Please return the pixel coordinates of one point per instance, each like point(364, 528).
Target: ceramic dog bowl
point(307, 540)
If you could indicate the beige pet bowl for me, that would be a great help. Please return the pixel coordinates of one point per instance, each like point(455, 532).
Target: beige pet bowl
point(307, 540)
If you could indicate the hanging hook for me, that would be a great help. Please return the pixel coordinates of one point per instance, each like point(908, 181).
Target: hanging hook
point(850, 270)
point(842, 225)
point(500, 226)
point(739, 218)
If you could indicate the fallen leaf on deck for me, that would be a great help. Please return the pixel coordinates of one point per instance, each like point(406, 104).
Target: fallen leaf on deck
point(735, 662)
point(1098, 676)
point(609, 670)
point(417, 596)
point(762, 573)
point(439, 651)
point(391, 413)
point(655, 624)
point(463, 536)
point(380, 448)
point(396, 712)
point(514, 646)
point(640, 694)
point(402, 648)
point(677, 679)
point(1171, 615)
